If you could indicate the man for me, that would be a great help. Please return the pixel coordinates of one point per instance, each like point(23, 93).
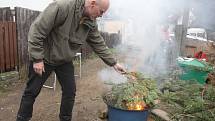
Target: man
point(54, 38)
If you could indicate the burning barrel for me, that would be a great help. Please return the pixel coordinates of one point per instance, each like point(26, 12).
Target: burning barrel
point(116, 114)
point(131, 101)
point(135, 110)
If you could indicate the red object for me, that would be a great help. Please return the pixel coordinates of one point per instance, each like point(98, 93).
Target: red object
point(200, 55)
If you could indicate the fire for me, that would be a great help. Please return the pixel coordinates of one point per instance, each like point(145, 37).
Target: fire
point(139, 106)
point(136, 105)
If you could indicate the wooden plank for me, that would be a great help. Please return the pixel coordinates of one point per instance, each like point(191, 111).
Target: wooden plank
point(11, 44)
point(1, 14)
point(15, 44)
point(7, 47)
point(5, 14)
point(17, 11)
point(2, 61)
point(24, 18)
point(19, 33)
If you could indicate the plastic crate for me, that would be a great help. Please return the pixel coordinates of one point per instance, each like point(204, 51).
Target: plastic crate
point(194, 69)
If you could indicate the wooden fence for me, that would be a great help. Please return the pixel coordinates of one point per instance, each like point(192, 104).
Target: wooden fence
point(8, 46)
point(112, 40)
point(6, 14)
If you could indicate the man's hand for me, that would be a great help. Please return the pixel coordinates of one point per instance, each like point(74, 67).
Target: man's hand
point(119, 68)
point(39, 67)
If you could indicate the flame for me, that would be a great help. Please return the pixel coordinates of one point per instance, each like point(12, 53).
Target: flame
point(138, 105)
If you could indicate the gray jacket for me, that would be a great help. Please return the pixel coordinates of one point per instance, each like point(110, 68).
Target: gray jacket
point(59, 31)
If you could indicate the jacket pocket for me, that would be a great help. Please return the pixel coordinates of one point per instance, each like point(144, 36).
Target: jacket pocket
point(75, 43)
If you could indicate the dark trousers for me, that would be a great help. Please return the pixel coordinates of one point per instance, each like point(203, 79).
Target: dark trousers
point(65, 75)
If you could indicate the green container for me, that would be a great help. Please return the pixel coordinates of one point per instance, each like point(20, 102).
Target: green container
point(194, 69)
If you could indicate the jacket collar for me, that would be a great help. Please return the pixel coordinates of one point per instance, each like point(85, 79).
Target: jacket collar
point(79, 9)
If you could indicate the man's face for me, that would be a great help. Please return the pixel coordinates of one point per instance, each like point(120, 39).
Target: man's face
point(95, 10)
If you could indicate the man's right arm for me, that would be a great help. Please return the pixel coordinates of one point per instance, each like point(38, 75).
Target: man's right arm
point(51, 17)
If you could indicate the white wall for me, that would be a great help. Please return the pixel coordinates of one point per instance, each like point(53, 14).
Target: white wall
point(31, 4)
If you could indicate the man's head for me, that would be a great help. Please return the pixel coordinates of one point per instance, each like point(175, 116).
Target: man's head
point(95, 8)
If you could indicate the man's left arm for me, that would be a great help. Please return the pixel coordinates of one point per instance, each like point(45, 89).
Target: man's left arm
point(96, 41)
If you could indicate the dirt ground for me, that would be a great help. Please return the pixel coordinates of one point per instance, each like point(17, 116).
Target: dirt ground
point(88, 104)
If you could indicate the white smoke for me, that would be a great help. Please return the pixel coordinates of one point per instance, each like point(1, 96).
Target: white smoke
point(144, 47)
point(110, 76)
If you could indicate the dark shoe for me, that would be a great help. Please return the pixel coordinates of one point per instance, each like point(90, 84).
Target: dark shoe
point(65, 118)
point(20, 118)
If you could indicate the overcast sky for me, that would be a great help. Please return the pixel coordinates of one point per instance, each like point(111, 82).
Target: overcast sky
point(31, 4)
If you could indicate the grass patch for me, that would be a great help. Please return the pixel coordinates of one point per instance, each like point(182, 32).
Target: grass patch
point(5, 86)
point(7, 80)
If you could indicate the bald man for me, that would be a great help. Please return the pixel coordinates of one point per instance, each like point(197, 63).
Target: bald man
point(54, 39)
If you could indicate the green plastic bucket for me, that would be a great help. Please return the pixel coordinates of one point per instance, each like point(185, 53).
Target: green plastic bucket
point(194, 69)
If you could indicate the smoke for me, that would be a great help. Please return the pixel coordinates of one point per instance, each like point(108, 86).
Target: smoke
point(110, 76)
point(145, 47)
point(204, 12)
